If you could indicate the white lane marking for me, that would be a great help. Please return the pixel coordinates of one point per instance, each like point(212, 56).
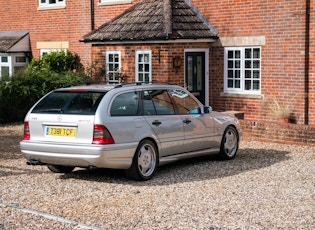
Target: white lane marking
point(49, 216)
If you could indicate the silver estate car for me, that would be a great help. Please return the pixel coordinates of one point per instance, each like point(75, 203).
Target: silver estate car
point(134, 127)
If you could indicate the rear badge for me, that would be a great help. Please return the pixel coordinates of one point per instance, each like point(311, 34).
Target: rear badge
point(59, 118)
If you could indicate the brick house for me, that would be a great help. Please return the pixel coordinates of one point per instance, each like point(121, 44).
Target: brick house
point(233, 55)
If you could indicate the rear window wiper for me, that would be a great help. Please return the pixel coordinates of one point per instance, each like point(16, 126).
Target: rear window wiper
point(48, 110)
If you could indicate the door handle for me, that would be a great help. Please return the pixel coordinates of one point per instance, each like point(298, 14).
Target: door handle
point(156, 123)
point(187, 121)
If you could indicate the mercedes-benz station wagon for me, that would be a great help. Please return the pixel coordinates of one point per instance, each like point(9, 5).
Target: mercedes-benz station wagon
point(133, 127)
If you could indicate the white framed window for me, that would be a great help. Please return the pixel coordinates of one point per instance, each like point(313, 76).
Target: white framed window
point(5, 66)
point(114, 2)
point(113, 67)
point(51, 3)
point(43, 52)
point(242, 70)
point(10, 63)
point(143, 66)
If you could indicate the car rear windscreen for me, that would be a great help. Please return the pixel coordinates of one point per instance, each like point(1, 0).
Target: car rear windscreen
point(70, 102)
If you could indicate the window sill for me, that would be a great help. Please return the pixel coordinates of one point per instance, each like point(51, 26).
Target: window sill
point(236, 95)
point(41, 8)
point(114, 2)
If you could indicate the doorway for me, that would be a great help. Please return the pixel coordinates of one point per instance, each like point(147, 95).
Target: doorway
point(196, 74)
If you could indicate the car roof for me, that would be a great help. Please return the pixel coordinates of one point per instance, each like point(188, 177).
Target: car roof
point(107, 87)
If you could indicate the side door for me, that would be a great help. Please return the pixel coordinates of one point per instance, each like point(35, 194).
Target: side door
point(159, 112)
point(198, 127)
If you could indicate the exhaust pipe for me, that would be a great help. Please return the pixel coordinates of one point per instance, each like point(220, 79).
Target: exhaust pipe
point(34, 162)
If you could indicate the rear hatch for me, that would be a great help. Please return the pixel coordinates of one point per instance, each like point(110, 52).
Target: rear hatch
point(65, 116)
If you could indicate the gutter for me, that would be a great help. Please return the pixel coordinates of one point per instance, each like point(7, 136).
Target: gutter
point(307, 62)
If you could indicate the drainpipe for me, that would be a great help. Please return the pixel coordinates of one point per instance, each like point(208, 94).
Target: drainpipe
point(92, 14)
point(307, 57)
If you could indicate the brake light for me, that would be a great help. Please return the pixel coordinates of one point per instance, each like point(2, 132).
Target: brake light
point(102, 136)
point(26, 135)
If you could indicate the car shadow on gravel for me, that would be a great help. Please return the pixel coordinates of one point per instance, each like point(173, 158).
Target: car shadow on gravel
point(196, 169)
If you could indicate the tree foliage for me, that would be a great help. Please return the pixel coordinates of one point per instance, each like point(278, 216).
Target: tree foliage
point(54, 70)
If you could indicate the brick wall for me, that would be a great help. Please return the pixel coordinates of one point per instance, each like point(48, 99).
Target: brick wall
point(68, 24)
point(282, 23)
point(254, 130)
point(162, 59)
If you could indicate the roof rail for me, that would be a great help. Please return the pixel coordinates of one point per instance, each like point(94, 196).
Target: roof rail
point(142, 83)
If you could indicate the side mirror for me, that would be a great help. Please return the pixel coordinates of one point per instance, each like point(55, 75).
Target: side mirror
point(207, 109)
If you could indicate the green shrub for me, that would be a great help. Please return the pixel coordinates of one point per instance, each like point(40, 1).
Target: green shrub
point(54, 70)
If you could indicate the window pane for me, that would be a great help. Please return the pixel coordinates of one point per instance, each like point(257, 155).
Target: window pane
point(125, 105)
point(161, 102)
point(255, 74)
point(237, 84)
point(237, 54)
point(4, 59)
point(110, 58)
point(248, 74)
point(247, 85)
point(4, 71)
point(230, 64)
point(147, 77)
point(20, 59)
point(146, 67)
point(256, 53)
point(237, 74)
point(141, 77)
point(256, 85)
point(256, 64)
point(140, 68)
point(248, 53)
point(111, 67)
point(230, 54)
point(248, 64)
point(146, 58)
point(238, 64)
point(230, 83)
point(230, 74)
point(185, 103)
point(116, 58)
point(141, 58)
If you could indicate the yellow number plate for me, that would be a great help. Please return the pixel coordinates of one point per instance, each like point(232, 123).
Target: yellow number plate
point(60, 131)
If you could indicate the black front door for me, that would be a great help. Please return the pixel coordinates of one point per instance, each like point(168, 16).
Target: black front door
point(195, 74)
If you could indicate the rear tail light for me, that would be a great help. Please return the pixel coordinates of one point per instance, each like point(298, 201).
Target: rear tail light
point(26, 135)
point(102, 136)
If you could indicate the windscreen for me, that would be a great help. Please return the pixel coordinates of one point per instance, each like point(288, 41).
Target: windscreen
point(70, 102)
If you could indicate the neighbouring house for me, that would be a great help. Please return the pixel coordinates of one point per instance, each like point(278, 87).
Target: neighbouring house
point(233, 55)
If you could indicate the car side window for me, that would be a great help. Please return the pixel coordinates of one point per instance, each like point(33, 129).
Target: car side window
point(157, 102)
point(125, 104)
point(184, 102)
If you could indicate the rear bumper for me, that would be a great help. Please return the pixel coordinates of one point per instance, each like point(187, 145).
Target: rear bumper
point(116, 156)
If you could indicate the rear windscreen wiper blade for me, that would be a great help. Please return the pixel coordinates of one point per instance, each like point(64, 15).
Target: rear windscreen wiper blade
point(49, 110)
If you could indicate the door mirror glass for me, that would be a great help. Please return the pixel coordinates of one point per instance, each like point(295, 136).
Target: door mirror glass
point(207, 109)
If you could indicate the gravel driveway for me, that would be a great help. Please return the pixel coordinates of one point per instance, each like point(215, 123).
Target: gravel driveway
point(267, 186)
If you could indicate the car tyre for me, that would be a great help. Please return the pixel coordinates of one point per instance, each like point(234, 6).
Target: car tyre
point(144, 163)
point(229, 144)
point(60, 168)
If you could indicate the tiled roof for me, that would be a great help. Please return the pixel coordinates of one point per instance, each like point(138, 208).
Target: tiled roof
point(155, 20)
point(9, 39)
